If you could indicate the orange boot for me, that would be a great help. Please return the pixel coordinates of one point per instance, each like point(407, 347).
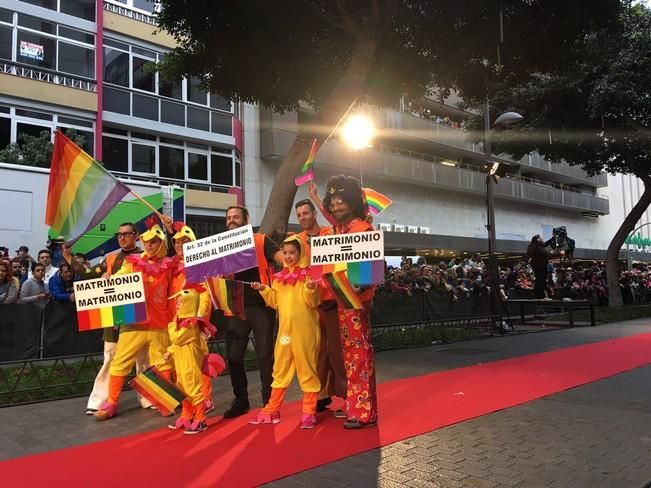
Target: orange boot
point(184, 421)
point(110, 406)
point(270, 414)
point(308, 420)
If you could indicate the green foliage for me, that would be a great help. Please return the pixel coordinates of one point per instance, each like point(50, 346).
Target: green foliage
point(286, 51)
point(35, 150)
point(595, 112)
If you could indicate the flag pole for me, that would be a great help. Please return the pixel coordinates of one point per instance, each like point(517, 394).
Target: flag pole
point(147, 204)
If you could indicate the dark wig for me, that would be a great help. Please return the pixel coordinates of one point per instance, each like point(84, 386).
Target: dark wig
point(348, 189)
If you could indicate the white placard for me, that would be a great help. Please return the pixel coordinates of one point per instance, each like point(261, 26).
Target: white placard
point(109, 292)
point(347, 248)
point(31, 50)
point(218, 246)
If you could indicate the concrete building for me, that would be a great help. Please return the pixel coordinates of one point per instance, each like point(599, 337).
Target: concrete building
point(82, 65)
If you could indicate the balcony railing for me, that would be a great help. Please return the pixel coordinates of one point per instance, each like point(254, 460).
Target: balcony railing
point(40, 74)
point(125, 11)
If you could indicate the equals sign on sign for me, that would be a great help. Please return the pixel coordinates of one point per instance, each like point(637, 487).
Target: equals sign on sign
point(346, 248)
point(109, 291)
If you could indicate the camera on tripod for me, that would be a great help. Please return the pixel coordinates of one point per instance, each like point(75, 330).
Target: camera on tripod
point(560, 242)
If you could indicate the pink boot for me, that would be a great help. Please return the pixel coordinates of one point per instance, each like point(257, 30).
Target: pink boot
point(107, 411)
point(265, 418)
point(308, 421)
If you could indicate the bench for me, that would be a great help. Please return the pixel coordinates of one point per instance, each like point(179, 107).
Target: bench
point(569, 305)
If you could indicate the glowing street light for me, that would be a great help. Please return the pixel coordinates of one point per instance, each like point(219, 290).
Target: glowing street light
point(358, 132)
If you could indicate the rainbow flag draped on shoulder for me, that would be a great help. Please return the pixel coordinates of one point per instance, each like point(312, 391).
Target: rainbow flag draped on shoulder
point(80, 192)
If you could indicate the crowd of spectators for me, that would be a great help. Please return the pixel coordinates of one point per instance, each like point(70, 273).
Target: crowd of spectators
point(458, 277)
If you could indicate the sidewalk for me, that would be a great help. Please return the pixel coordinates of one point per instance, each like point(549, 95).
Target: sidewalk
point(597, 433)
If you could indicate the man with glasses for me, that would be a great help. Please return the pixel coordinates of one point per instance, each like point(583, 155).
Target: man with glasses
point(127, 236)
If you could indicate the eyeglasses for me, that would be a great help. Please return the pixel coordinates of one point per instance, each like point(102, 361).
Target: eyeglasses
point(124, 234)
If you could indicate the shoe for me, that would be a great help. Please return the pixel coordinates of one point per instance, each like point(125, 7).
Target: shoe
point(208, 406)
point(339, 414)
point(308, 421)
point(238, 407)
point(180, 423)
point(265, 418)
point(196, 428)
point(91, 411)
point(107, 411)
point(322, 405)
point(352, 424)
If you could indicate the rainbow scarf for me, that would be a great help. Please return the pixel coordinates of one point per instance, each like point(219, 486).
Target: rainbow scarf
point(307, 170)
point(154, 387)
point(80, 191)
point(342, 290)
point(228, 296)
point(375, 201)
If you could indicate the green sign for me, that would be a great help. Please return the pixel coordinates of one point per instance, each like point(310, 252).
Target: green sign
point(638, 241)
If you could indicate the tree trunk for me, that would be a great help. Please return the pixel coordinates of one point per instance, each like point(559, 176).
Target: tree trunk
point(612, 254)
point(348, 89)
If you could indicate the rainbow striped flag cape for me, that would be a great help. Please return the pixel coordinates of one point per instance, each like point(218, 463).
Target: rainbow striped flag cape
point(98, 318)
point(342, 290)
point(307, 170)
point(154, 387)
point(80, 191)
point(228, 296)
point(375, 201)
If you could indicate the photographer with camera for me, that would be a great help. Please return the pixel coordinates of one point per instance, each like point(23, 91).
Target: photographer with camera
point(56, 248)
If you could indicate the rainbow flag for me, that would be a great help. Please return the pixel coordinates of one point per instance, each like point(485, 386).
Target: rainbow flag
point(154, 387)
point(307, 170)
point(375, 201)
point(98, 318)
point(80, 192)
point(228, 296)
point(342, 290)
point(366, 272)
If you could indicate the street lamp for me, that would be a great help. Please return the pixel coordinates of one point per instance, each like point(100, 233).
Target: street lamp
point(357, 133)
point(506, 119)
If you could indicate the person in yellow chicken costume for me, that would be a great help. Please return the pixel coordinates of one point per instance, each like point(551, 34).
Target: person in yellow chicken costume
point(187, 334)
point(185, 234)
point(296, 298)
point(156, 271)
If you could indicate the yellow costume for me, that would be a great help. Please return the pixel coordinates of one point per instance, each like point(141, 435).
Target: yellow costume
point(297, 344)
point(188, 351)
point(156, 271)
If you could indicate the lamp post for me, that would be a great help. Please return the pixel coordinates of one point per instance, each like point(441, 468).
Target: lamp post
point(506, 119)
point(358, 133)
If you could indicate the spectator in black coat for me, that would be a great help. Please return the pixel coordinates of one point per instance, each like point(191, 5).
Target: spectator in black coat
point(539, 258)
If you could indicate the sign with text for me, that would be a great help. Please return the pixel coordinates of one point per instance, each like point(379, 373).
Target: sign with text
point(109, 302)
point(31, 50)
point(347, 248)
point(219, 255)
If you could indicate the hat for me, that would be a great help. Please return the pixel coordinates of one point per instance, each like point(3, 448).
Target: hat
point(182, 230)
point(153, 230)
point(22, 248)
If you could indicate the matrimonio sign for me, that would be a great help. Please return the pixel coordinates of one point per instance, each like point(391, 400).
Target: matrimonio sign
point(347, 248)
point(219, 255)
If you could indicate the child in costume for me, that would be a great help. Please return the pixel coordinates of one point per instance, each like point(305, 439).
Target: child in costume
point(296, 298)
point(187, 337)
point(186, 234)
point(156, 272)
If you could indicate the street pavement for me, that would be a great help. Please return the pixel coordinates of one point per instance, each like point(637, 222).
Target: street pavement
point(598, 434)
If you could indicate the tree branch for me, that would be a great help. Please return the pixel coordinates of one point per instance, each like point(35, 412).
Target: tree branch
point(345, 16)
point(335, 23)
point(637, 126)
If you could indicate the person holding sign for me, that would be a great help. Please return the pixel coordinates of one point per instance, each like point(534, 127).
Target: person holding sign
point(296, 297)
point(344, 201)
point(156, 271)
point(259, 318)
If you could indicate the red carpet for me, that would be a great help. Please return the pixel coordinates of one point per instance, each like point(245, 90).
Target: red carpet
point(233, 453)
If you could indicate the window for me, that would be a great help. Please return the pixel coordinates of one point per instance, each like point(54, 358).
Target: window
point(115, 153)
point(198, 166)
point(146, 5)
point(5, 132)
point(6, 16)
point(143, 158)
point(116, 67)
point(172, 113)
point(221, 124)
point(171, 162)
point(171, 89)
point(117, 101)
point(221, 169)
point(143, 78)
point(76, 60)
point(5, 43)
point(145, 107)
point(219, 103)
point(36, 49)
point(198, 119)
point(238, 170)
point(195, 93)
point(79, 8)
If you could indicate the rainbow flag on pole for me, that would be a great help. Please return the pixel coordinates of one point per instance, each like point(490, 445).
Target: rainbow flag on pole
point(98, 318)
point(154, 387)
point(342, 290)
point(228, 296)
point(375, 201)
point(307, 170)
point(80, 192)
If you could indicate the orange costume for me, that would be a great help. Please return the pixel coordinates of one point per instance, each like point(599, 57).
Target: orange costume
point(157, 274)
